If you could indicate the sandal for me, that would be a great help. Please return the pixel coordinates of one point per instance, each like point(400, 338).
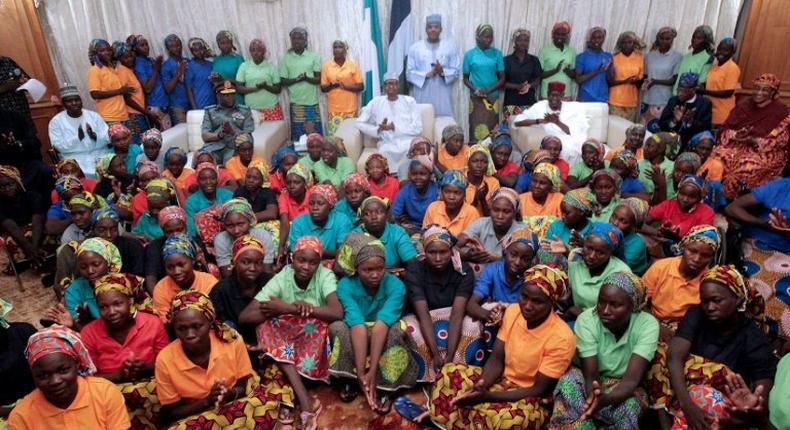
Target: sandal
point(410, 410)
point(349, 392)
point(285, 420)
point(385, 405)
point(310, 419)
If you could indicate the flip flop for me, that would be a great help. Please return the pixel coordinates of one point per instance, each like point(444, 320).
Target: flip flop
point(349, 392)
point(409, 409)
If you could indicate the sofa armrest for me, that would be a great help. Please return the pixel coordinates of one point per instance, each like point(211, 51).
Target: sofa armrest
point(269, 136)
point(352, 138)
point(526, 138)
point(616, 130)
point(175, 136)
point(440, 123)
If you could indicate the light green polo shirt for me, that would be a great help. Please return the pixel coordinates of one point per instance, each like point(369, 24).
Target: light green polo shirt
point(549, 57)
point(343, 168)
point(293, 65)
point(595, 340)
point(283, 286)
point(644, 166)
point(584, 285)
point(252, 74)
point(695, 63)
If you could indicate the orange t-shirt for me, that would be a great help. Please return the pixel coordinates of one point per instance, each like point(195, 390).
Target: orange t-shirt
point(179, 378)
point(436, 214)
point(181, 181)
point(453, 162)
point(625, 66)
point(166, 289)
point(714, 167)
point(724, 77)
point(238, 170)
point(640, 153)
point(106, 79)
point(129, 78)
point(99, 405)
point(669, 292)
point(339, 100)
point(547, 348)
point(529, 207)
point(471, 190)
point(290, 207)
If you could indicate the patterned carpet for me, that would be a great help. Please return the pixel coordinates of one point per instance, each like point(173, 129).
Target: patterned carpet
point(31, 303)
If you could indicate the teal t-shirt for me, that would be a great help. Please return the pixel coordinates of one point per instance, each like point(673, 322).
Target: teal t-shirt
point(385, 306)
point(332, 233)
point(482, 67)
point(398, 247)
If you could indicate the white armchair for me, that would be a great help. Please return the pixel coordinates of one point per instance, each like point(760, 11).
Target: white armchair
point(359, 147)
point(267, 136)
point(609, 129)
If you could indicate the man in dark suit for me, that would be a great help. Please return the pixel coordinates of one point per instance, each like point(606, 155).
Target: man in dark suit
point(687, 113)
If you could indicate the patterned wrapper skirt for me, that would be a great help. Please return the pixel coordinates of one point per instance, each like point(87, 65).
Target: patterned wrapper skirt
point(483, 117)
point(703, 377)
point(141, 403)
point(397, 368)
point(137, 125)
point(455, 379)
point(305, 120)
point(259, 410)
point(510, 110)
point(570, 396)
point(628, 113)
point(272, 114)
point(769, 272)
point(471, 345)
point(301, 341)
point(334, 119)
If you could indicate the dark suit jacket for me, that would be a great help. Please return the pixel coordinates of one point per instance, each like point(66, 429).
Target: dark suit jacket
point(702, 118)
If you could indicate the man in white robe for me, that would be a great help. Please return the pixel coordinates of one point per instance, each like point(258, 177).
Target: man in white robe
point(78, 133)
point(564, 120)
point(432, 67)
point(393, 120)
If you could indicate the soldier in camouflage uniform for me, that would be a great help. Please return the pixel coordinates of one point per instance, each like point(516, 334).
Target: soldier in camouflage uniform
point(223, 121)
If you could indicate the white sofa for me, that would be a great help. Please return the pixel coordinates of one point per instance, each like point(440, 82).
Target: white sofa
point(267, 136)
point(359, 146)
point(609, 129)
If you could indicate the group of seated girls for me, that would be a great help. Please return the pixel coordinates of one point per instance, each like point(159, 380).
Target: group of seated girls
point(516, 295)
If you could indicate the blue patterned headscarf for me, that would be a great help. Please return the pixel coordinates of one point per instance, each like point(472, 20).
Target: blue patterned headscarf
point(178, 244)
point(170, 38)
point(610, 234)
point(695, 181)
point(102, 213)
point(453, 177)
point(699, 137)
point(688, 80)
point(281, 153)
point(93, 55)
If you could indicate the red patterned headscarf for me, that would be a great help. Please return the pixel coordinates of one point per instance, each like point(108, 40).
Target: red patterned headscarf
point(552, 280)
point(129, 285)
point(59, 339)
point(309, 242)
point(358, 179)
point(246, 243)
point(327, 191)
point(117, 129)
point(750, 301)
point(200, 302)
point(171, 213)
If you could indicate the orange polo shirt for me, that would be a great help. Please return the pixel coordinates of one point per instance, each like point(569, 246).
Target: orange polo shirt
point(437, 214)
point(714, 167)
point(181, 181)
point(237, 170)
point(547, 348)
point(724, 77)
point(99, 405)
point(166, 289)
point(129, 78)
point(669, 292)
point(640, 153)
point(471, 190)
point(339, 100)
point(625, 66)
point(106, 79)
point(177, 377)
point(453, 162)
point(529, 207)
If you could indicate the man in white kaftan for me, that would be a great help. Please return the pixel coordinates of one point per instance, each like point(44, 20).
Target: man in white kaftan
point(78, 133)
point(565, 120)
point(394, 120)
point(432, 66)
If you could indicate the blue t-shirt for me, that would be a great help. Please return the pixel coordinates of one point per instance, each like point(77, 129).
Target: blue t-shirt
point(632, 185)
point(144, 69)
point(492, 285)
point(413, 204)
point(774, 194)
point(595, 89)
point(178, 97)
point(523, 181)
point(196, 78)
point(58, 212)
point(482, 67)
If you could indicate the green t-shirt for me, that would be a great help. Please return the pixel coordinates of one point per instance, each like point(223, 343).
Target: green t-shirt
point(252, 74)
point(343, 168)
point(644, 166)
point(595, 340)
point(283, 286)
point(696, 63)
point(606, 211)
point(778, 404)
point(580, 171)
point(308, 162)
point(549, 57)
point(584, 285)
point(302, 93)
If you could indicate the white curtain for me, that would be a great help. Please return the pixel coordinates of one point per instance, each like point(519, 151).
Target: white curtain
point(70, 25)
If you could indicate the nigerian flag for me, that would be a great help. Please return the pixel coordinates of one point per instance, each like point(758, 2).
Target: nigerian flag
point(372, 57)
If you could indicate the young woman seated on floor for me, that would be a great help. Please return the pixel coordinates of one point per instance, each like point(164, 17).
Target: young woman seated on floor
point(374, 220)
point(321, 221)
point(238, 219)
